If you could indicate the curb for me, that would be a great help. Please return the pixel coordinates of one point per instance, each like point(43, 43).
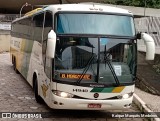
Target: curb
point(143, 108)
point(145, 86)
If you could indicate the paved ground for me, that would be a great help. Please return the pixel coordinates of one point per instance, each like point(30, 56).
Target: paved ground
point(17, 96)
point(147, 74)
point(149, 77)
point(152, 101)
point(150, 82)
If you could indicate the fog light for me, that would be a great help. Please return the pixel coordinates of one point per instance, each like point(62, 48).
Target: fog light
point(55, 102)
point(127, 105)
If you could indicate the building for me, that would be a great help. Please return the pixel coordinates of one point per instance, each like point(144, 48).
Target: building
point(146, 19)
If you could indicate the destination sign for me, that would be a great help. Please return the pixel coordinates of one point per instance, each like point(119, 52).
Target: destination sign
point(75, 76)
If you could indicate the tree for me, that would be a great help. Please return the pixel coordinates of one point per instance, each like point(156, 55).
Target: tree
point(137, 3)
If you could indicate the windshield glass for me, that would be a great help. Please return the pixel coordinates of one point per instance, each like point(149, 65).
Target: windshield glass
point(74, 54)
point(118, 25)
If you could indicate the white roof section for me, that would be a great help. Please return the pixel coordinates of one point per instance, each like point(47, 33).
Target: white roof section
point(80, 7)
point(87, 7)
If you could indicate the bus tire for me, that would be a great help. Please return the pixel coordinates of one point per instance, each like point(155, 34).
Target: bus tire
point(12, 59)
point(37, 96)
point(14, 66)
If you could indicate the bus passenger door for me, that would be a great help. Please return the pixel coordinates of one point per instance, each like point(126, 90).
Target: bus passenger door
point(46, 60)
point(37, 64)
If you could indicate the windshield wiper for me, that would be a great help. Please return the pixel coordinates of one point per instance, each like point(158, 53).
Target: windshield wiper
point(85, 69)
point(107, 60)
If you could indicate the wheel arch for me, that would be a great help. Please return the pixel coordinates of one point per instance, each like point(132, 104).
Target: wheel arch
point(34, 77)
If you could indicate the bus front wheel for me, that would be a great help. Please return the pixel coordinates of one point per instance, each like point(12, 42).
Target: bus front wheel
point(37, 96)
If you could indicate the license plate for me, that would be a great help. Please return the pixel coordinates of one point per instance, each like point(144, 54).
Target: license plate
point(94, 105)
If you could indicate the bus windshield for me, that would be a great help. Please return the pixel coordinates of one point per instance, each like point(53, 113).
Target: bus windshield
point(75, 54)
point(89, 23)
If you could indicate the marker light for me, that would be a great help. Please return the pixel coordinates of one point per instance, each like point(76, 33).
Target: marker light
point(62, 94)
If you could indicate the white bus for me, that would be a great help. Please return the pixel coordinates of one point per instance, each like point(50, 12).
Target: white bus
point(78, 56)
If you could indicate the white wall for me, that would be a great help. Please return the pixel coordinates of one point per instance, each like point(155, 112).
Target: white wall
point(4, 41)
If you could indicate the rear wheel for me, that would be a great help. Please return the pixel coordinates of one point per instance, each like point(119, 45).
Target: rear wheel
point(12, 59)
point(37, 96)
point(14, 66)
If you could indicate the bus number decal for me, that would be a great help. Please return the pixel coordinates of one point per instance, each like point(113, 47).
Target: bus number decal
point(80, 90)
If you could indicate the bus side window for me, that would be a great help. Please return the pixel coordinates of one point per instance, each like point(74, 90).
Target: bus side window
point(48, 25)
point(38, 27)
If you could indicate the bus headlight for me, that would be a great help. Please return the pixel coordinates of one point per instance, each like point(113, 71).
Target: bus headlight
point(62, 94)
point(125, 96)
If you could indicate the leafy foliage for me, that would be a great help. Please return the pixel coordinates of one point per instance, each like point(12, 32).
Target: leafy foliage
point(137, 3)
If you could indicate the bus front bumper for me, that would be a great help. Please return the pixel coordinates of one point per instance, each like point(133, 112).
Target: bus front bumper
point(87, 104)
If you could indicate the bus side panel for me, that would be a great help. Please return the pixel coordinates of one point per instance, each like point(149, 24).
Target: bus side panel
point(13, 49)
point(21, 49)
point(26, 50)
point(36, 64)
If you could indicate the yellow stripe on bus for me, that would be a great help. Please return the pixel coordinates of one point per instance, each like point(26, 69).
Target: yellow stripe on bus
point(118, 89)
point(32, 12)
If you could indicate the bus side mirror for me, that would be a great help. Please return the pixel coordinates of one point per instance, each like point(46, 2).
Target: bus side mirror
point(150, 45)
point(51, 44)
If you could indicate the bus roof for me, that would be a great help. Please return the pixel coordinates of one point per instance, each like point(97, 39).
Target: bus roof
point(81, 7)
point(87, 7)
